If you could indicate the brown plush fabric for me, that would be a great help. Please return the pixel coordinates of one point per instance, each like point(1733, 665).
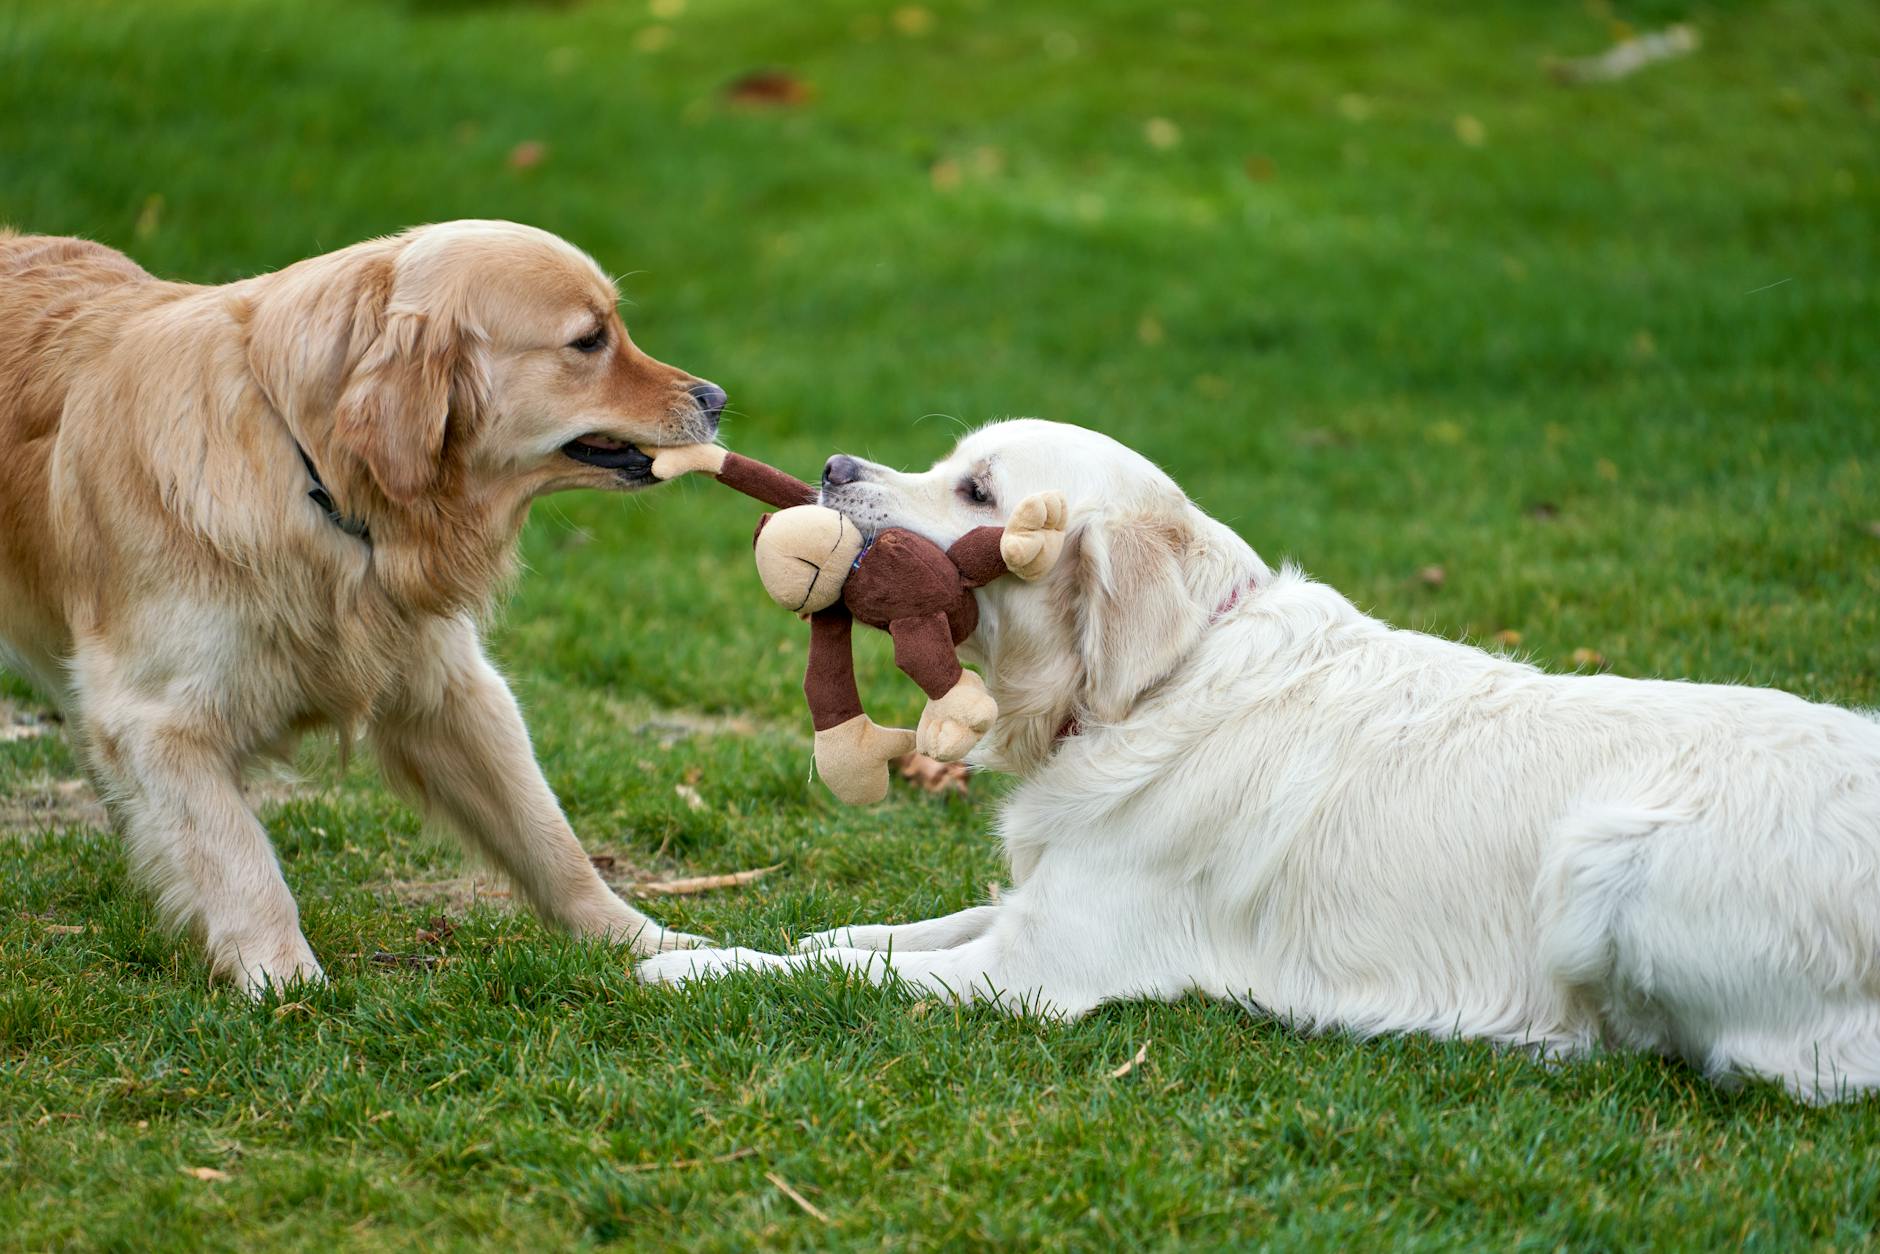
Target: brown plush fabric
point(829, 683)
point(903, 583)
point(977, 555)
point(765, 483)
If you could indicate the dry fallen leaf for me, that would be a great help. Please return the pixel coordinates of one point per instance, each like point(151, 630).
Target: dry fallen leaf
point(932, 775)
point(1142, 1056)
point(1433, 576)
point(702, 883)
point(66, 929)
point(769, 89)
point(205, 1173)
point(689, 795)
point(528, 154)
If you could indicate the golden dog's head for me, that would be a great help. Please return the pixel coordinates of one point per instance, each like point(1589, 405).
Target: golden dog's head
point(479, 358)
point(443, 378)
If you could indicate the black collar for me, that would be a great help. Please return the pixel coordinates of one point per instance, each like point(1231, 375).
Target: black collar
point(324, 499)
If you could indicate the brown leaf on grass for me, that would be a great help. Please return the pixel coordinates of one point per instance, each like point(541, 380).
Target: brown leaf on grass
point(528, 154)
point(436, 932)
point(1432, 576)
point(204, 1173)
point(1142, 1056)
point(769, 89)
point(809, 1208)
point(932, 775)
point(1589, 659)
point(701, 883)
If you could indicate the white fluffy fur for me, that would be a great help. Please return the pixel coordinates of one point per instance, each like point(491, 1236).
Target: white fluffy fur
point(1352, 826)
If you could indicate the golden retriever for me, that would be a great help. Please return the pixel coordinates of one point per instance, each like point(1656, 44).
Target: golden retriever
point(1237, 784)
point(231, 515)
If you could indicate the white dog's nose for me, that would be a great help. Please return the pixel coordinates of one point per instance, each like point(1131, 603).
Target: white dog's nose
point(841, 469)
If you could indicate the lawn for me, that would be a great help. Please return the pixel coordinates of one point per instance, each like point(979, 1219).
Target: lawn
point(1583, 371)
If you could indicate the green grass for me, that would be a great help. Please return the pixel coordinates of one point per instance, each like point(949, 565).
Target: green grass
point(1613, 369)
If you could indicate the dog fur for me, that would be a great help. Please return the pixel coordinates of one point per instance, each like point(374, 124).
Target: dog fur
point(167, 581)
point(1273, 798)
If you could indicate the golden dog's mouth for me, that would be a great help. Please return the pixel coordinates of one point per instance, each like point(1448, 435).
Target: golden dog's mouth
point(609, 453)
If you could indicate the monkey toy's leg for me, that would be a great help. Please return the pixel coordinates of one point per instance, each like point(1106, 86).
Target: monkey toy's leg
point(960, 710)
point(852, 753)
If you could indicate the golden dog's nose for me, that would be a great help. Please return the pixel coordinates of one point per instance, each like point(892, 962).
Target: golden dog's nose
point(711, 402)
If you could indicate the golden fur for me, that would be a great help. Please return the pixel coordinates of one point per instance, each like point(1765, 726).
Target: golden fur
point(165, 578)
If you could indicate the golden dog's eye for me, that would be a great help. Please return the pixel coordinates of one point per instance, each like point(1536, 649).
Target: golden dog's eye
point(593, 342)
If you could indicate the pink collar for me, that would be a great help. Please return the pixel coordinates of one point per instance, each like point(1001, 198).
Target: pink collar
point(1072, 725)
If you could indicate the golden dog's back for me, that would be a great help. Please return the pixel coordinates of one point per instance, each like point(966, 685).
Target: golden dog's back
point(56, 304)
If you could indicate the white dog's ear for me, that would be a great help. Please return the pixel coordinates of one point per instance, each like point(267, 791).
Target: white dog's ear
point(415, 376)
point(1136, 617)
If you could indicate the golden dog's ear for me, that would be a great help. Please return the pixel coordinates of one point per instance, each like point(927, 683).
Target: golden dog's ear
point(1135, 614)
point(415, 376)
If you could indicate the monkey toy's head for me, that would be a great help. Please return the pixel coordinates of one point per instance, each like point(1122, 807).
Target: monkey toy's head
point(804, 554)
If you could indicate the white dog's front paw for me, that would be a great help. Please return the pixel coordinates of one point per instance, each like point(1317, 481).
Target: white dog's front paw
point(874, 936)
point(681, 966)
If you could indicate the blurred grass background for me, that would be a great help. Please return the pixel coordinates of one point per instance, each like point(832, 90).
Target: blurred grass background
point(1582, 370)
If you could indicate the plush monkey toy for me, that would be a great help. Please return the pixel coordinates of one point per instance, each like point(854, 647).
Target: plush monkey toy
point(816, 563)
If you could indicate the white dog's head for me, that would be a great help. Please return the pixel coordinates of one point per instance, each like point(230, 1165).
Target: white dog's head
point(1141, 573)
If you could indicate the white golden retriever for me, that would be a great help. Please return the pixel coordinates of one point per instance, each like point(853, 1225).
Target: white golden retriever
point(1236, 783)
point(230, 515)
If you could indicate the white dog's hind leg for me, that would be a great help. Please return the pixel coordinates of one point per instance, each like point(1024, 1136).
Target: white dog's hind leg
point(1668, 934)
point(942, 933)
point(460, 746)
point(175, 792)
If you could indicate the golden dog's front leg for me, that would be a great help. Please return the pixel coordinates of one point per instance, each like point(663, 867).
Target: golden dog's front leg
point(457, 744)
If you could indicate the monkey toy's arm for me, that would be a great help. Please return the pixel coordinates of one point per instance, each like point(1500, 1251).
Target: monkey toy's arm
point(734, 470)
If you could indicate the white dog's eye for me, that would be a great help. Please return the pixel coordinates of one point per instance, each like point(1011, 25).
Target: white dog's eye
point(975, 492)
